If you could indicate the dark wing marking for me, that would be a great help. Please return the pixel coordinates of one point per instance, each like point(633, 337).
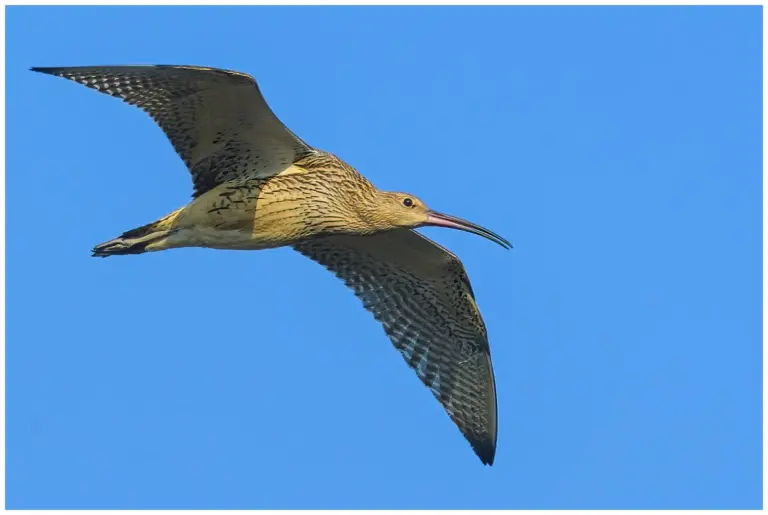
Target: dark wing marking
point(217, 120)
point(421, 294)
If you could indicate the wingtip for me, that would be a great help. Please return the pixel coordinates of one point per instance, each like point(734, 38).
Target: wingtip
point(485, 451)
point(42, 69)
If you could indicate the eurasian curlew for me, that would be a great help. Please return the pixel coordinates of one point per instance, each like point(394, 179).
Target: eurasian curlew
point(257, 186)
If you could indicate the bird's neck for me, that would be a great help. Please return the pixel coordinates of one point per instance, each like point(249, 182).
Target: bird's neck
point(343, 200)
point(374, 213)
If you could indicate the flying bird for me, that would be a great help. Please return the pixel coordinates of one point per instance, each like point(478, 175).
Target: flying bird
point(257, 185)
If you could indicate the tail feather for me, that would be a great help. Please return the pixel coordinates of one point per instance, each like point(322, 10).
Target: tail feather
point(127, 244)
point(116, 247)
point(137, 240)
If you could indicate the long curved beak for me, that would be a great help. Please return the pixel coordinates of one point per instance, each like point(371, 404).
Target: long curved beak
point(441, 220)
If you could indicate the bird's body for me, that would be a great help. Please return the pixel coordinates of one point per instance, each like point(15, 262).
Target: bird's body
point(259, 186)
point(309, 198)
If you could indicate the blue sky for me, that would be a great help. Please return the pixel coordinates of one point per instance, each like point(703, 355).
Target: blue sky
point(619, 149)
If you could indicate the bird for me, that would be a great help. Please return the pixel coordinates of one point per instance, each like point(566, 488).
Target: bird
point(257, 185)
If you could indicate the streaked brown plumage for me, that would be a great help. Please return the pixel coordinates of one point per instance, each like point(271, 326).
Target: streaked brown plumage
point(257, 185)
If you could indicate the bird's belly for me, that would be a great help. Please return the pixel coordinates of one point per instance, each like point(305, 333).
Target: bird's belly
point(233, 239)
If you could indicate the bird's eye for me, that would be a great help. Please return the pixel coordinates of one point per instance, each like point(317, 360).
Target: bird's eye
point(407, 202)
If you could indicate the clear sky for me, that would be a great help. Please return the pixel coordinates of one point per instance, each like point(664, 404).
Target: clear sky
point(619, 149)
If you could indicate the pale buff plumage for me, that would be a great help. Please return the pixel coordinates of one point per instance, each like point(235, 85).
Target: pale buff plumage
point(257, 186)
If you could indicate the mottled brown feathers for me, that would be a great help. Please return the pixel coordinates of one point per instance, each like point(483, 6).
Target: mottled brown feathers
point(296, 204)
point(257, 185)
point(421, 295)
point(217, 120)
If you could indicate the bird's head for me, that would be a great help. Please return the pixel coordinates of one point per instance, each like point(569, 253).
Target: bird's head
point(395, 209)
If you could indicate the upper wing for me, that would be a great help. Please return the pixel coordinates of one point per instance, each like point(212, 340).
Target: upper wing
point(421, 294)
point(217, 120)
